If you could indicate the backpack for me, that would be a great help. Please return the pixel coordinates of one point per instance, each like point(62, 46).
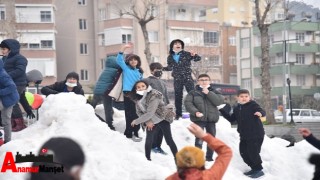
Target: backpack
point(169, 113)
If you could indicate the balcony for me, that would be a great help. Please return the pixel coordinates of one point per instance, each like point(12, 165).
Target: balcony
point(194, 3)
point(120, 22)
point(291, 48)
point(298, 69)
point(206, 26)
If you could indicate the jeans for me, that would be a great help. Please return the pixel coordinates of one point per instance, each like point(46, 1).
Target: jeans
point(130, 114)
point(107, 105)
point(210, 128)
point(163, 126)
point(6, 121)
point(178, 92)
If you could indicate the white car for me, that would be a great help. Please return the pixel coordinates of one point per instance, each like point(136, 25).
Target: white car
point(300, 115)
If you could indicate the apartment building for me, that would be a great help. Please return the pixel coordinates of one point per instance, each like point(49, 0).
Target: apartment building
point(299, 60)
point(32, 23)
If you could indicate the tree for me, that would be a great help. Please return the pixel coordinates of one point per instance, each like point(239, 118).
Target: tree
point(9, 25)
point(265, 59)
point(144, 11)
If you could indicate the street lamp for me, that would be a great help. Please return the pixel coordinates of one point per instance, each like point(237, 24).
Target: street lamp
point(290, 101)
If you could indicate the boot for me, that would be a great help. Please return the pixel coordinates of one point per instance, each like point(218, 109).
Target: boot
point(13, 123)
point(20, 125)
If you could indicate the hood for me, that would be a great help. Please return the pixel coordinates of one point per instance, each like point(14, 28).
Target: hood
point(111, 62)
point(12, 44)
point(172, 43)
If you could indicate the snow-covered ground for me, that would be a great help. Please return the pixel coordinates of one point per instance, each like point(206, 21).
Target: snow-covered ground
point(111, 156)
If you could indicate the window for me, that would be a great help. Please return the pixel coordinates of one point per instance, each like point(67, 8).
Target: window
point(214, 61)
point(211, 38)
point(246, 83)
point(46, 44)
point(34, 46)
point(101, 39)
point(2, 13)
point(84, 76)
point(245, 43)
point(153, 36)
point(45, 16)
point(305, 113)
point(155, 59)
point(126, 38)
point(300, 37)
point(82, 2)
point(102, 14)
point(23, 45)
point(203, 13)
point(83, 48)
point(82, 24)
point(233, 78)
point(300, 59)
point(232, 41)
point(102, 63)
point(301, 80)
point(271, 39)
point(232, 60)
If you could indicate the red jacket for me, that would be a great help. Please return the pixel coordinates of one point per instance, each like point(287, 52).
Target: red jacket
point(217, 170)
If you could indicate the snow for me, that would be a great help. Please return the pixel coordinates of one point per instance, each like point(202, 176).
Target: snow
point(111, 156)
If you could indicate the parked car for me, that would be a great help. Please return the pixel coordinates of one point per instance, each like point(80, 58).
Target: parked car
point(300, 115)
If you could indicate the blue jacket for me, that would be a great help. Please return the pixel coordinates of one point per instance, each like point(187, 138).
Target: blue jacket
point(108, 77)
point(8, 90)
point(15, 64)
point(130, 75)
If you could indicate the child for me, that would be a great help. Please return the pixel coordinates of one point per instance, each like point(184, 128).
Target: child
point(156, 83)
point(190, 160)
point(150, 108)
point(308, 136)
point(71, 84)
point(202, 104)
point(132, 72)
point(247, 113)
point(179, 62)
point(106, 82)
point(9, 96)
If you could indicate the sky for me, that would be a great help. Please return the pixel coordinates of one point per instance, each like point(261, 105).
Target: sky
point(315, 3)
point(111, 156)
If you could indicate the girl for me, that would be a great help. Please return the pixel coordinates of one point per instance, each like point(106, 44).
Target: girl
point(132, 72)
point(151, 111)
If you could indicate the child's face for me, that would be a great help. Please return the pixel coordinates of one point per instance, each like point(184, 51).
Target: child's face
point(5, 51)
point(141, 86)
point(243, 98)
point(133, 62)
point(177, 46)
point(72, 80)
point(203, 81)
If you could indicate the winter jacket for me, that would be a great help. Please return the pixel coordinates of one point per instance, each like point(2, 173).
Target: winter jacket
point(197, 101)
point(181, 70)
point(249, 125)
point(59, 87)
point(130, 75)
point(150, 107)
point(313, 141)
point(159, 85)
point(8, 91)
point(15, 64)
point(219, 167)
point(108, 77)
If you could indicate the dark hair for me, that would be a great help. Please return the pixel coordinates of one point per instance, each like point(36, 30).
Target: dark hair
point(172, 43)
point(65, 152)
point(129, 57)
point(73, 75)
point(243, 91)
point(132, 94)
point(182, 172)
point(203, 75)
point(155, 65)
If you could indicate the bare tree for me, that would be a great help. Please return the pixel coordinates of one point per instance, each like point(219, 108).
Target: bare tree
point(265, 63)
point(8, 25)
point(144, 11)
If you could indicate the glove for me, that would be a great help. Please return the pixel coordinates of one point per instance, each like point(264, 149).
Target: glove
point(30, 115)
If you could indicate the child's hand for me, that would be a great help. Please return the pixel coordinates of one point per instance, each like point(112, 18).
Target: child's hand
point(258, 114)
point(304, 132)
point(192, 53)
point(126, 46)
point(196, 130)
point(199, 114)
point(133, 123)
point(205, 90)
point(150, 125)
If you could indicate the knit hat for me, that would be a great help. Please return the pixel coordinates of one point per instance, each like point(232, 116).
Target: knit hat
point(73, 75)
point(190, 157)
point(4, 45)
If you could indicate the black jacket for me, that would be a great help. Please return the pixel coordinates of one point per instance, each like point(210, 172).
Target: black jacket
point(59, 87)
point(313, 141)
point(249, 125)
point(181, 70)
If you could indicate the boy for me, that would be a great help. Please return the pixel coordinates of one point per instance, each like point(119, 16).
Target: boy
point(156, 83)
point(202, 104)
point(179, 62)
point(9, 96)
point(247, 113)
